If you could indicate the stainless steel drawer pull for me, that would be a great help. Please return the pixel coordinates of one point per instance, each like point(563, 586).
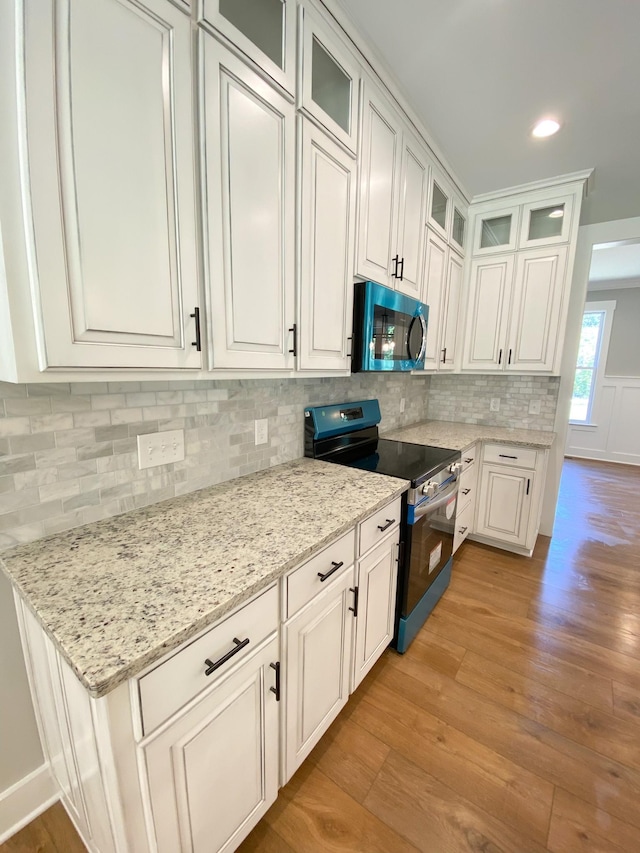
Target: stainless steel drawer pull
point(506, 456)
point(211, 667)
point(462, 530)
point(276, 689)
point(390, 521)
point(466, 491)
point(334, 568)
point(469, 460)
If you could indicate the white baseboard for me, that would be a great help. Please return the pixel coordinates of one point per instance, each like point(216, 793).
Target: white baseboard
point(25, 800)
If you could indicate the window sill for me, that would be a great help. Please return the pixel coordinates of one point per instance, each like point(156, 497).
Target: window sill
point(583, 424)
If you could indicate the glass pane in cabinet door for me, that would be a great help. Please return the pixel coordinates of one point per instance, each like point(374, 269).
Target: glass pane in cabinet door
point(439, 206)
point(459, 223)
point(261, 21)
point(546, 222)
point(330, 86)
point(496, 232)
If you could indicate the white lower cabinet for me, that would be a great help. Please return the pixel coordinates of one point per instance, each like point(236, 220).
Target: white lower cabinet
point(188, 755)
point(317, 657)
point(509, 496)
point(377, 579)
point(467, 489)
point(213, 772)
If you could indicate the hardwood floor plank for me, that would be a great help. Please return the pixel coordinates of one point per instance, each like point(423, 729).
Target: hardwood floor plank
point(484, 592)
point(435, 818)
point(626, 702)
point(476, 773)
point(604, 733)
point(533, 746)
point(264, 839)
point(445, 656)
point(526, 660)
point(578, 827)
point(314, 815)
point(52, 832)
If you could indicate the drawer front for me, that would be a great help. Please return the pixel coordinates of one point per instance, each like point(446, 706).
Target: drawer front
point(303, 583)
point(464, 524)
point(467, 486)
point(379, 525)
point(505, 454)
point(172, 684)
point(469, 456)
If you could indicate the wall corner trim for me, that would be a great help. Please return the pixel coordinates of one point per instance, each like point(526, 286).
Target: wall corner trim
point(25, 800)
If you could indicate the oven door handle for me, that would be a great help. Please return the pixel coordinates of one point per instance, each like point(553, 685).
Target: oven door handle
point(424, 509)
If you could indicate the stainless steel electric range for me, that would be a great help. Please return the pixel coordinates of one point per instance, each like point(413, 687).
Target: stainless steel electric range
point(347, 434)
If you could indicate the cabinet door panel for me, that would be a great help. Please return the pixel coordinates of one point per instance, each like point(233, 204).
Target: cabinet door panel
point(377, 582)
point(435, 274)
point(488, 313)
point(504, 503)
point(111, 158)
point(326, 251)
point(412, 216)
point(249, 198)
point(379, 187)
point(451, 312)
point(537, 303)
point(318, 654)
point(213, 773)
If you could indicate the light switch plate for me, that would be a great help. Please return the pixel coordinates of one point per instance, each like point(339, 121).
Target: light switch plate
point(160, 448)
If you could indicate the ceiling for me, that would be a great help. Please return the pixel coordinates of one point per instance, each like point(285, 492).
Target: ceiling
point(614, 265)
point(480, 73)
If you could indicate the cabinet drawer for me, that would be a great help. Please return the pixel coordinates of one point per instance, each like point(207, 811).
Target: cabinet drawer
point(374, 528)
point(173, 683)
point(508, 454)
point(302, 584)
point(464, 523)
point(467, 486)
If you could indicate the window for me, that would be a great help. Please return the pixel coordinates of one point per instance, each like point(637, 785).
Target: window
point(592, 354)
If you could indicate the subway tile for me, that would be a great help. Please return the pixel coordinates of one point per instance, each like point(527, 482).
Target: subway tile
point(77, 469)
point(71, 403)
point(51, 423)
point(14, 426)
point(30, 443)
point(144, 398)
point(89, 388)
point(81, 501)
point(17, 464)
point(126, 416)
point(62, 490)
point(15, 500)
point(21, 534)
point(91, 419)
point(33, 479)
point(9, 390)
point(7, 484)
point(75, 437)
point(30, 515)
point(143, 428)
point(93, 451)
point(50, 389)
point(107, 401)
point(123, 387)
point(110, 433)
point(27, 406)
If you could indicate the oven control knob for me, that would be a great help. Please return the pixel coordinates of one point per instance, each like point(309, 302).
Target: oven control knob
point(429, 489)
point(456, 468)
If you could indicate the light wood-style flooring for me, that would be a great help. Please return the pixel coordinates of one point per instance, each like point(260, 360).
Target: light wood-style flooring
point(512, 725)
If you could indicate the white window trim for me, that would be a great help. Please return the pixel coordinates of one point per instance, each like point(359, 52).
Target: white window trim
point(607, 308)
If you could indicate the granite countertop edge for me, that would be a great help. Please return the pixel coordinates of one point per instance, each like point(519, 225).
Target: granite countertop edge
point(99, 686)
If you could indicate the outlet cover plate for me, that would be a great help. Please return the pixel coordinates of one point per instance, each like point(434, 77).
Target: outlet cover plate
point(262, 431)
point(534, 407)
point(495, 404)
point(160, 448)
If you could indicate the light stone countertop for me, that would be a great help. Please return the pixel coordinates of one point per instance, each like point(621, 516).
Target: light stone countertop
point(118, 594)
point(459, 436)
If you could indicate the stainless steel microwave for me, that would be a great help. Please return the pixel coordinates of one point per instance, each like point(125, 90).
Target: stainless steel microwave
point(389, 329)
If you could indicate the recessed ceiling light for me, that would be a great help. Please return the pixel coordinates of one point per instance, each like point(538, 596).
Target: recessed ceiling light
point(546, 127)
point(556, 214)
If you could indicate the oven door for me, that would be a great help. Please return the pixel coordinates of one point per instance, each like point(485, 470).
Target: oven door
point(392, 329)
point(429, 543)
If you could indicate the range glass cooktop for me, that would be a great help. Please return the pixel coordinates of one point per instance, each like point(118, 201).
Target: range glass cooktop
point(400, 459)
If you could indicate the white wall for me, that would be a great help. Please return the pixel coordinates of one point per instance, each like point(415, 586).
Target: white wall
point(588, 235)
point(614, 435)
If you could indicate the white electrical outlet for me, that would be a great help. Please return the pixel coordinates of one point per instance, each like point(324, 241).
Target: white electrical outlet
point(534, 407)
point(401, 405)
point(495, 404)
point(262, 431)
point(160, 448)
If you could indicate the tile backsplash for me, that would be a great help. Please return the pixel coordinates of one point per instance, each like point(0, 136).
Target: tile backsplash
point(467, 399)
point(68, 453)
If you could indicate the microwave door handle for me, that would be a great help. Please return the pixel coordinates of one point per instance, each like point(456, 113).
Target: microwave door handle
point(409, 338)
point(423, 348)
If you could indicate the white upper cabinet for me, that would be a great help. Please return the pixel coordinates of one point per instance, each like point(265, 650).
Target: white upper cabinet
point(488, 317)
point(248, 175)
point(435, 275)
point(414, 186)
point(326, 247)
point(496, 231)
point(459, 230)
point(380, 165)
point(537, 300)
point(547, 222)
point(111, 183)
point(330, 83)
point(394, 176)
point(450, 324)
point(440, 204)
point(265, 30)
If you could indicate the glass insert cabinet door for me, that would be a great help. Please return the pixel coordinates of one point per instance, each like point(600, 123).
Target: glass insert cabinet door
point(546, 222)
point(330, 80)
point(265, 30)
point(439, 207)
point(459, 228)
point(496, 231)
